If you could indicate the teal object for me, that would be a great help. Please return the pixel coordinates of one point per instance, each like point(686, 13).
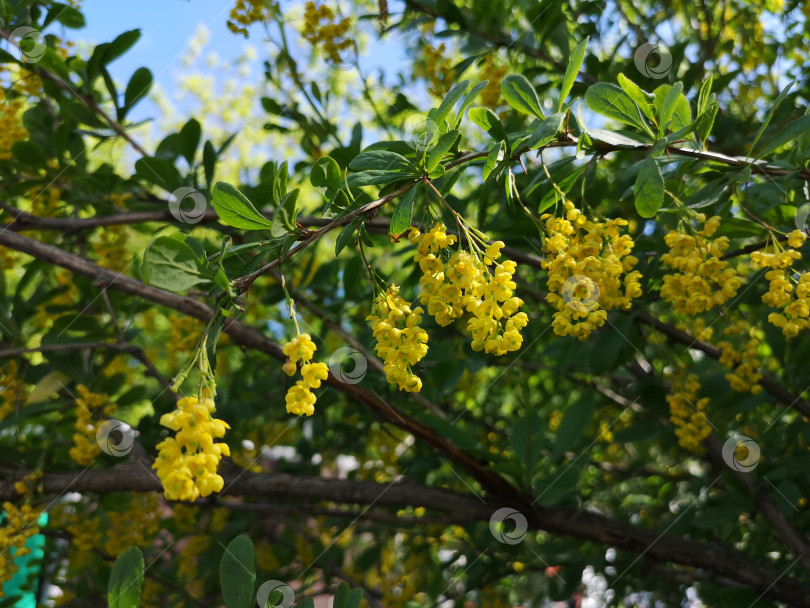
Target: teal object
point(28, 567)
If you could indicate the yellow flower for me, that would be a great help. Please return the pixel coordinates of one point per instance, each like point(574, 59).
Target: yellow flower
point(187, 463)
point(401, 343)
point(465, 284)
point(793, 301)
point(687, 411)
point(323, 31)
point(300, 399)
point(590, 271)
point(85, 447)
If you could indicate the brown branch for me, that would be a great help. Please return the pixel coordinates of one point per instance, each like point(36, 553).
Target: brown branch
point(135, 351)
point(580, 524)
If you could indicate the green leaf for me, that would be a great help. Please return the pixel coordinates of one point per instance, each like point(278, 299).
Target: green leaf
point(138, 87)
point(673, 109)
point(769, 116)
point(345, 236)
point(66, 15)
point(487, 120)
point(209, 162)
point(546, 131)
point(120, 45)
point(325, 177)
point(649, 188)
point(790, 132)
point(170, 264)
point(496, 155)
point(234, 208)
point(442, 147)
point(347, 599)
point(640, 96)
point(381, 160)
point(520, 94)
point(704, 96)
point(468, 101)
point(401, 220)
point(29, 153)
point(237, 573)
point(704, 127)
point(370, 178)
point(448, 102)
point(574, 63)
point(285, 214)
point(189, 139)
point(126, 580)
point(573, 424)
point(611, 101)
point(158, 171)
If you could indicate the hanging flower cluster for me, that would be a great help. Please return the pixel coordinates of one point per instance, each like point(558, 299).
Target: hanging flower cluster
point(590, 270)
point(187, 463)
point(18, 525)
point(247, 12)
point(322, 31)
point(300, 398)
point(461, 282)
point(401, 343)
point(687, 412)
point(701, 279)
point(794, 302)
point(85, 447)
point(744, 362)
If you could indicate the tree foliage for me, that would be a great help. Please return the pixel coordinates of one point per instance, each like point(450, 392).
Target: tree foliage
point(523, 319)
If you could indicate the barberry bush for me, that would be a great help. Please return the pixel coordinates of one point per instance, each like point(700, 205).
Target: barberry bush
point(523, 318)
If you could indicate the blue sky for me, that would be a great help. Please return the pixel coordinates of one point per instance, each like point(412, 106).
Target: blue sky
point(167, 27)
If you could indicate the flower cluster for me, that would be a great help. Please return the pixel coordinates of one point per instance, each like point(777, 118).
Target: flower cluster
point(323, 31)
point(247, 12)
point(85, 447)
point(590, 270)
point(11, 389)
point(300, 399)
point(437, 69)
point(795, 307)
point(687, 412)
point(11, 127)
point(701, 279)
point(745, 362)
point(491, 95)
point(462, 282)
point(187, 463)
point(401, 343)
point(17, 527)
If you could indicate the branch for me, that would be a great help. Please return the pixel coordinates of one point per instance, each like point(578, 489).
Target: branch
point(580, 524)
point(788, 535)
point(135, 351)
